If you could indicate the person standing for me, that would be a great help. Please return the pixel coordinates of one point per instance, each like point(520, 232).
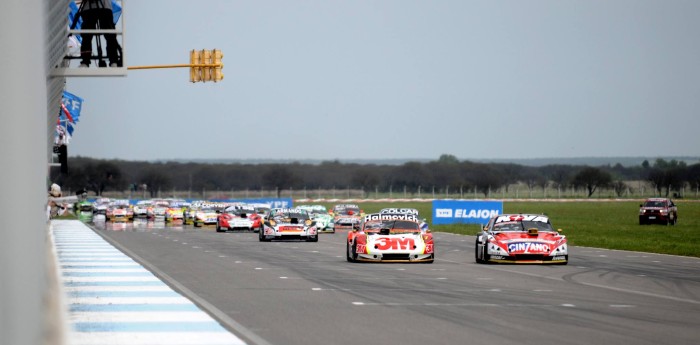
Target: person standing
point(98, 13)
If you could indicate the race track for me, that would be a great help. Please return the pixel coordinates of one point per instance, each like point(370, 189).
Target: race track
point(306, 293)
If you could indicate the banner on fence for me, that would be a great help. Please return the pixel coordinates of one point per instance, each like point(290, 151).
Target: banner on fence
point(465, 211)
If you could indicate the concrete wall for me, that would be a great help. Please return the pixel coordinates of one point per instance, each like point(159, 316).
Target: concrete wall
point(26, 95)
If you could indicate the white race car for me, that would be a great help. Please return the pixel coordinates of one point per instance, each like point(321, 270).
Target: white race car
point(288, 223)
point(387, 237)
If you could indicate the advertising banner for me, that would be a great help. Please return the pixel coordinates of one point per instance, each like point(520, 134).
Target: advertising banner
point(274, 202)
point(465, 211)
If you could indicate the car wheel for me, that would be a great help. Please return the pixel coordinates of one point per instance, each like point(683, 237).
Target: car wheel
point(485, 255)
point(312, 239)
point(196, 224)
point(261, 238)
point(674, 220)
point(353, 252)
point(347, 253)
point(218, 227)
point(476, 251)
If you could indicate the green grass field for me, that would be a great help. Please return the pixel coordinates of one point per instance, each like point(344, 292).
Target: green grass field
point(612, 225)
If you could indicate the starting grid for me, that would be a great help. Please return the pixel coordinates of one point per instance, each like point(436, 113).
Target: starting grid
point(112, 299)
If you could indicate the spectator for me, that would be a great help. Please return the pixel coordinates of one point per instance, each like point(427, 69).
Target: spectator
point(54, 208)
point(98, 14)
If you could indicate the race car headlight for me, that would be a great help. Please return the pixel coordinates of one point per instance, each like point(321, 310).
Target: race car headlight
point(495, 249)
point(563, 249)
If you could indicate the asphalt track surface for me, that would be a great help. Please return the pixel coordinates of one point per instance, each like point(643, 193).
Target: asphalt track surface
point(307, 293)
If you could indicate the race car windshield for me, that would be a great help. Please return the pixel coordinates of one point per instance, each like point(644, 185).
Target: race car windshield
point(291, 217)
point(242, 212)
point(349, 211)
point(522, 226)
point(654, 204)
point(392, 227)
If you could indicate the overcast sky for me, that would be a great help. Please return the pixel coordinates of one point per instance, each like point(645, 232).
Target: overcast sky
point(382, 79)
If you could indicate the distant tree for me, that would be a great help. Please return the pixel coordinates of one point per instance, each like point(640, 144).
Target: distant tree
point(279, 177)
point(101, 176)
point(411, 175)
point(448, 159)
point(510, 174)
point(592, 178)
point(619, 187)
point(155, 180)
point(666, 176)
point(487, 180)
point(533, 178)
point(560, 175)
point(693, 176)
point(365, 178)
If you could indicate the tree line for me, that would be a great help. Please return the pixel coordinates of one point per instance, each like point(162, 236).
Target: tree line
point(447, 172)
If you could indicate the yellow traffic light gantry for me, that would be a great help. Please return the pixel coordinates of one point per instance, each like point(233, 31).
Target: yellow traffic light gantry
point(205, 65)
point(195, 70)
point(217, 55)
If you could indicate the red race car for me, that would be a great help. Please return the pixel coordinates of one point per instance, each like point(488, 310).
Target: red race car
point(521, 238)
point(239, 217)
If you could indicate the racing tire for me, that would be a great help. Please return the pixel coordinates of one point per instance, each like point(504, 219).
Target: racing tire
point(196, 224)
point(347, 253)
point(485, 254)
point(476, 251)
point(353, 252)
point(312, 239)
point(218, 228)
point(674, 220)
point(261, 237)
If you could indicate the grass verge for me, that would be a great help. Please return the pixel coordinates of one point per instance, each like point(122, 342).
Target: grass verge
point(611, 225)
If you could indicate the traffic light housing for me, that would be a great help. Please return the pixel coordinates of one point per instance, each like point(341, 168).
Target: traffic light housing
point(62, 152)
point(217, 55)
point(206, 65)
point(206, 70)
point(195, 69)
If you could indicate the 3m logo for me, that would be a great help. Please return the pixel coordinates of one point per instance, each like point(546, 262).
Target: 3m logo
point(394, 243)
point(443, 212)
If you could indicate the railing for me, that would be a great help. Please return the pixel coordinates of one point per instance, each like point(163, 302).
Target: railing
point(69, 67)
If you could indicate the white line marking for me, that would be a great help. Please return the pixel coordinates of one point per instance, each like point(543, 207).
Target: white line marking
point(144, 338)
point(127, 300)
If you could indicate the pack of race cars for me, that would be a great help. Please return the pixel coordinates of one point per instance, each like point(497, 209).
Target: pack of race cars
point(390, 235)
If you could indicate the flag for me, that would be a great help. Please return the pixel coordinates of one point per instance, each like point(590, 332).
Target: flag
point(66, 116)
point(116, 14)
point(72, 105)
point(71, 16)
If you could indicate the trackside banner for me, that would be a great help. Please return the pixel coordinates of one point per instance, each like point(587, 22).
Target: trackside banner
point(465, 211)
point(274, 202)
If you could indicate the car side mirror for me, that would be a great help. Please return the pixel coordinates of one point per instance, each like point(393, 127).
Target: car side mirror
point(640, 205)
